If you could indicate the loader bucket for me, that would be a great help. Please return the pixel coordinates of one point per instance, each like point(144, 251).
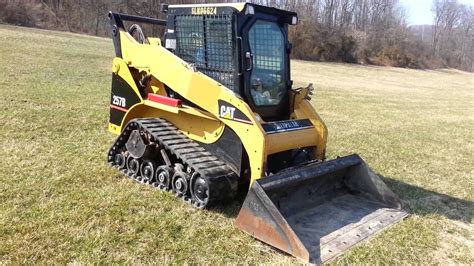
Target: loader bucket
point(318, 211)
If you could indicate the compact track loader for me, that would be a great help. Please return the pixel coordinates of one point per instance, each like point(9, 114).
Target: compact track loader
point(208, 109)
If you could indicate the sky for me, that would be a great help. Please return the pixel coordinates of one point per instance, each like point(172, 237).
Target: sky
point(419, 11)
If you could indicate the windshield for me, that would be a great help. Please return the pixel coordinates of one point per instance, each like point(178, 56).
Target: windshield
point(267, 79)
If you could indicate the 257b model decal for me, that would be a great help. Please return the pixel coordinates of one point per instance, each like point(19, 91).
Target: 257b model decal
point(119, 101)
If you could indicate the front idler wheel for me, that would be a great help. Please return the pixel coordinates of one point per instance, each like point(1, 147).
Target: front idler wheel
point(147, 171)
point(163, 177)
point(133, 166)
point(180, 183)
point(199, 190)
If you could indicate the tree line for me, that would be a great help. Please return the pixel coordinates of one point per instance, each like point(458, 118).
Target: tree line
point(353, 31)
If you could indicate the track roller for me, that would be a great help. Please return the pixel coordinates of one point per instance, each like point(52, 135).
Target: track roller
point(147, 171)
point(180, 183)
point(163, 177)
point(133, 166)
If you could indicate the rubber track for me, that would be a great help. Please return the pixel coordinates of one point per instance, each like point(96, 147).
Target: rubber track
point(222, 180)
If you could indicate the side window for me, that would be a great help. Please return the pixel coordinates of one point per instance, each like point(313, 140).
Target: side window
point(267, 79)
point(190, 39)
point(219, 43)
point(207, 42)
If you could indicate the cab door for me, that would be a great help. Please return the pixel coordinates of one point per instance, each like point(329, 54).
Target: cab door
point(265, 65)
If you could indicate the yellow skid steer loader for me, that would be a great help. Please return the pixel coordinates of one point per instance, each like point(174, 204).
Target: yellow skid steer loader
point(208, 109)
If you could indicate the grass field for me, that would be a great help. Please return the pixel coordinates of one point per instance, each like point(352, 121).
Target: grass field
point(61, 203)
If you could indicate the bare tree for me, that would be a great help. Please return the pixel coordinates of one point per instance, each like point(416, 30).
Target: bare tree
point(453, 33)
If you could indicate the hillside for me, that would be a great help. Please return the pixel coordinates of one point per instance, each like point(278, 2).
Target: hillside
point(61, 203)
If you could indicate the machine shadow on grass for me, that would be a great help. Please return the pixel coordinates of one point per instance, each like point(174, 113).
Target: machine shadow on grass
point(421, 201)
point(416, 200)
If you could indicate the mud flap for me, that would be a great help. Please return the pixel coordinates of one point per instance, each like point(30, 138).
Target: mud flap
point(318, 211)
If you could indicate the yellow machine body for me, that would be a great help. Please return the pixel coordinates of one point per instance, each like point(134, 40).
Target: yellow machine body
point(184, 126)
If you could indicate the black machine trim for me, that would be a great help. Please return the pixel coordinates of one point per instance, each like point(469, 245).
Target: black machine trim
point(229, 148)
point(287, 126)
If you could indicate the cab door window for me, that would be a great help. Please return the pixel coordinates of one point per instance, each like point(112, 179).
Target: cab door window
point(267, 79)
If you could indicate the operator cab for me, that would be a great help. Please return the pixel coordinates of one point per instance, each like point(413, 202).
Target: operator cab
point(243, 46)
